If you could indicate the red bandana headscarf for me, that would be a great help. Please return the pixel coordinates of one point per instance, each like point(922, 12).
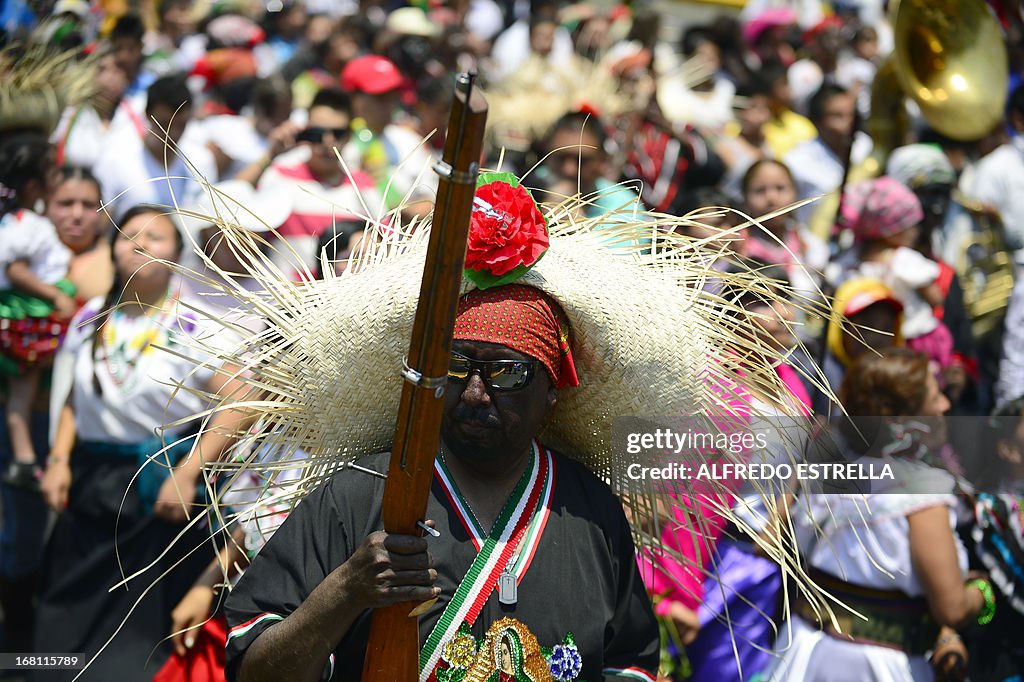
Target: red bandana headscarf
point(524, 319)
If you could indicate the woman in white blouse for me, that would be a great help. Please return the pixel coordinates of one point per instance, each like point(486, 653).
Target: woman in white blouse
point(890, 554)
point(124, 359)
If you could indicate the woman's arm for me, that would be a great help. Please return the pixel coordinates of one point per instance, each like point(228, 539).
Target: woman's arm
point(935, 562)
point(57, 479)
point(196, 607)
point(178, 492)
point(24, 280)
point(932, 294)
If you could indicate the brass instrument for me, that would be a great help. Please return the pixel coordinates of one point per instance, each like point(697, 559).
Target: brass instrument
point(985, 267)
point(950, 59)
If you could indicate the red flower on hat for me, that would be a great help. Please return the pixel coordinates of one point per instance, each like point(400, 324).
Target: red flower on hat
point(506, 231)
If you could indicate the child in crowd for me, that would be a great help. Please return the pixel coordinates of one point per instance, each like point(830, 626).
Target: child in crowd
point(712, 221)
point(338, 243)
point(768, 186)
point(740, 600)
point(744, 142)
point(36, 299)
point(866, 317)
point(883, 215)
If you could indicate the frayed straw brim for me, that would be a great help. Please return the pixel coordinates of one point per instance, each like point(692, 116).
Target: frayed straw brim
point(39, 84)
point(323, 379)
point(329, 364)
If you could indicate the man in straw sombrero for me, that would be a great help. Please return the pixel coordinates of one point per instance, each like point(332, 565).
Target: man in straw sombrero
point(517, 522)
point(530, 543)
point(493, 479)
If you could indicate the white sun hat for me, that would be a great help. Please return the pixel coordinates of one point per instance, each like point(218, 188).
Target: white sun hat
point(237, 203)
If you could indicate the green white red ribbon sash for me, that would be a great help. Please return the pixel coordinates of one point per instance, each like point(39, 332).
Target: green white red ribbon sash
point(243, 628)
point(519, 526)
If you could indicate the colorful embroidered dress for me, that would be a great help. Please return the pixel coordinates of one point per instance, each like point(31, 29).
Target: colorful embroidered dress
point(29, 332)
point(120, 393)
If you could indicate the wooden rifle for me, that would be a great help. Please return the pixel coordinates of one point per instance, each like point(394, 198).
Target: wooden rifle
point(393, 651)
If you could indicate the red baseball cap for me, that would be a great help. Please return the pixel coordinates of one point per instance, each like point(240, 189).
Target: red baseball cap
point(371, 74)
point(825, 24)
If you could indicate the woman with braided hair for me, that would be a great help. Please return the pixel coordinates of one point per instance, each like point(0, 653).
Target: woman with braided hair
point(112, 391)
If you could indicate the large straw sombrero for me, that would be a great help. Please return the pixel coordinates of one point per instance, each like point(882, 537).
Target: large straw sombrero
point(648, 340)
point(38, 84)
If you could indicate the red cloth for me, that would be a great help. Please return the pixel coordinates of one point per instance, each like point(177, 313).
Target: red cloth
point(945, 281)
point(825, 24)
point(204, 662)
point(220, 67)
point(32, 343)
point(524, 319)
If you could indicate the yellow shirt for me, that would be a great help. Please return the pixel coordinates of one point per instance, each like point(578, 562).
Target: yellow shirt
point(786, 131)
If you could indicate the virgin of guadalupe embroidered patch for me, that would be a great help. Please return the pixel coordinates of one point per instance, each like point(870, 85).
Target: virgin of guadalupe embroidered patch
point(508, 652)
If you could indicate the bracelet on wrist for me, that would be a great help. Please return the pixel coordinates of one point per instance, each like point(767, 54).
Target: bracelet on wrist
point(988, 611)
point(56, 459)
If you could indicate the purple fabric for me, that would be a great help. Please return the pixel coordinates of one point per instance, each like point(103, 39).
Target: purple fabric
point(748, 586)
point(768, 19)
point(936, 344)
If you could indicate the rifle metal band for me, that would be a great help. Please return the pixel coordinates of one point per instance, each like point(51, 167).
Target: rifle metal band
point(416, 378)
point(445, 170)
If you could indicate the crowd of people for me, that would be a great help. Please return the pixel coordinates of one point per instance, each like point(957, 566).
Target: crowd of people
point(901, 298)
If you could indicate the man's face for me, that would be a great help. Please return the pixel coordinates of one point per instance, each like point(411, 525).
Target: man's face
point(935, 202)
point(293, 22)
point(484, 424)
point(111, 80)
point(322, 159)
point(542, 38)
point(836, 124)
point(343, 47)
point(871, 329)
point(755, 115)
point(128, 53)
point(162, 117)
point(827, 45)
point(576, 158)
point(177, 23)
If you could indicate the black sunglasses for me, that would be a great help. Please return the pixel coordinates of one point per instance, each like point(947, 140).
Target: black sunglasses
point(500, 375)
point(316, 134)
